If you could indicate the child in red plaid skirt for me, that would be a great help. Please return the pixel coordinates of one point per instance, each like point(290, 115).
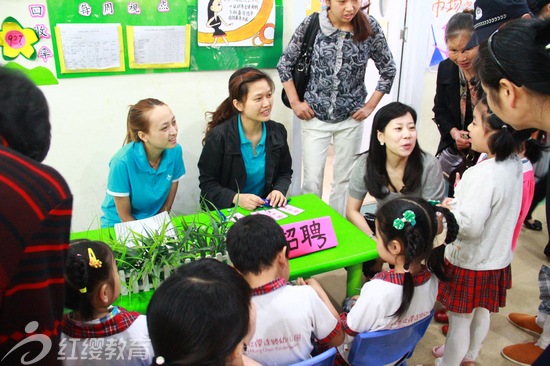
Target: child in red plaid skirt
point(486, 206)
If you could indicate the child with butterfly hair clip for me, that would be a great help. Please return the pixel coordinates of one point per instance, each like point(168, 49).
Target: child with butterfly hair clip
point(95, 331)
point(406, 228)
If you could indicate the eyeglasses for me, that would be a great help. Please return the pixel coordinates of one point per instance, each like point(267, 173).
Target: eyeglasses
point(497, 62)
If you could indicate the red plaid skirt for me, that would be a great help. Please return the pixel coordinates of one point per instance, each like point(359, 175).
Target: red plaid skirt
point(469, 289)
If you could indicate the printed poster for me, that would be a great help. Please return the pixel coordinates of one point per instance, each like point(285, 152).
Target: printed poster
point(237, 23)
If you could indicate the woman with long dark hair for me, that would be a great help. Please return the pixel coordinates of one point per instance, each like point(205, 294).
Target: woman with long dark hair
point(514, 68)
point(394, 165)
point(245, 158)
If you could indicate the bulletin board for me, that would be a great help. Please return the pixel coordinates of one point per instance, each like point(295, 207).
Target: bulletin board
point(125, 19)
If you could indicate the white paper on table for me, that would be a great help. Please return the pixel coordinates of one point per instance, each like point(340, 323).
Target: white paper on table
point(237, 216)
point(277, 215)
point(159, 45)
point(145, 227)
point(262, 212)
point(90, 46)
point(273, 213)
point(293, 210)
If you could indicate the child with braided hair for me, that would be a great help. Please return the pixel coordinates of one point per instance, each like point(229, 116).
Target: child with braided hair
point(486, 206)
point(406, 228)
point(96, 332)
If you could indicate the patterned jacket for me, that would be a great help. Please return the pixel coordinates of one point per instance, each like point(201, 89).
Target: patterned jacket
point(336, 87)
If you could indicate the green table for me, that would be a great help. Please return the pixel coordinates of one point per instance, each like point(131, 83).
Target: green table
point(354, 247)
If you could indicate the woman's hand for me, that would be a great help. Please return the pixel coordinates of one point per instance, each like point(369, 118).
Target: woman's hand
point(249, 201)
point(302, 110)
point(276, 198)
point(461, 138)
point(362, 113)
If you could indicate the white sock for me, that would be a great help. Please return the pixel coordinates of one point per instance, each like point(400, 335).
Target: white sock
point(458, 338)
point(544, 339)
point(478, 331)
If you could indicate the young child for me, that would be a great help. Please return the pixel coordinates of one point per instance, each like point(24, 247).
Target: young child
point(530, 152)
point(486, 206)
point(96, 331)
point(202, 316)
point(286, 316)
point(406, 228)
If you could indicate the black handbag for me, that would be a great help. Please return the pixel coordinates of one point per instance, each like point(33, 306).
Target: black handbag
point(454, 161)
point(300, 70)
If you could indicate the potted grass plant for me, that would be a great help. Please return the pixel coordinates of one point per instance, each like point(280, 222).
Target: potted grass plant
point(144, 260)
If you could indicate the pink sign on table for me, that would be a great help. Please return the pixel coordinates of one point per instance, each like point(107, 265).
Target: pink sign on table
point(309, 236)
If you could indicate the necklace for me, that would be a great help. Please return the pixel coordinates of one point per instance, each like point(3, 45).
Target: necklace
point(155, 163)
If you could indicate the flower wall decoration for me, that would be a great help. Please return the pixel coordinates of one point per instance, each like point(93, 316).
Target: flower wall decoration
point(16, 40)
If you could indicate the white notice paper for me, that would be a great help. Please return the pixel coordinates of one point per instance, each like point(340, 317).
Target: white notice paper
point(129, 229)
point(90, 46)
point(159, 45)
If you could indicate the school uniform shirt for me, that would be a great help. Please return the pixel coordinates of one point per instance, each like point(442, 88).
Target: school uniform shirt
point(432, 185)
point(120, 338)
point(132, 176)
point(381, 297)
point(486, 207)
point(286, 316)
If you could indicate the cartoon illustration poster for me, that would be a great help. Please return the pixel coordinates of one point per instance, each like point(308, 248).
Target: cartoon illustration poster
point(237, 23)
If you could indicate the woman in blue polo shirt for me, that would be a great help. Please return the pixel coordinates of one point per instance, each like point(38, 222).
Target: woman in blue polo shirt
point(144, 174)
point(245, 157)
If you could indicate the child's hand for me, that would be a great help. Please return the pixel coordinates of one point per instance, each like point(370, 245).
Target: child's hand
point(300, 282)
point(448, 202)
point(313, 283)
point(457, 179)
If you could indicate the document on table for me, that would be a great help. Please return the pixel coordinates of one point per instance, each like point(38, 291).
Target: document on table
point(155, 224)
point(277, 215)
point(293, 210)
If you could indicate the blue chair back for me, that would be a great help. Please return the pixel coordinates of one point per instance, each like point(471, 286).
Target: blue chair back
point(387, 346)
point(324, 359)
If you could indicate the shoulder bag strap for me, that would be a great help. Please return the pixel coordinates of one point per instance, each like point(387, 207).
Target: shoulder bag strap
point(309, 39)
